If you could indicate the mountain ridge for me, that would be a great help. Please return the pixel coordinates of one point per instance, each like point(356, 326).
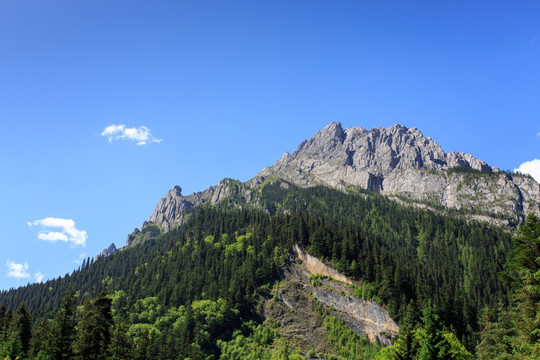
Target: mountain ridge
point(396, 161)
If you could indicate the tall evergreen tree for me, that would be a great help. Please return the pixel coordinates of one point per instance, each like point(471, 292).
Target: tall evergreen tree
point(523, 272)
point(498, 331)
point(41, 339)
point(63, 328)
point(22, 325)
point(94, 333)
point(121, 345)
point(433, 346)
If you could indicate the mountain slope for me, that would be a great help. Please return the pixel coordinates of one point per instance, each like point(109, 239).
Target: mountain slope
point(244, 264)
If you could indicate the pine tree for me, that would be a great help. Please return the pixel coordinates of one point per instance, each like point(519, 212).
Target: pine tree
point(433, 346)
point(523, 273)
point(142, 348)
point(40, 344)
point(5, 319)
point(497, 334)
point(22, 325)
point(94, 335)
point(121, 345)
point(63, 328)
point(406, 347)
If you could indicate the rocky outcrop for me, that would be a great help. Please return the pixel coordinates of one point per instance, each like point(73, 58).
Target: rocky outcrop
point(365, 317)
point(401, 162)
point(317, 267)
point(170, 210)
point(334, 291)
point(111, 250)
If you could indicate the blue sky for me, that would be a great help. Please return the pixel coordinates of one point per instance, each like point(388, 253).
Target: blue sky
point(222, 89)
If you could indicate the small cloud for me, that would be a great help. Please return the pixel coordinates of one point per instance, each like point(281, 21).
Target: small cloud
point(19, 271)
point(39, 277)
point(53, 236)
point(119, 132)
point(530, 167)
point(80, 259)
point(67, 233)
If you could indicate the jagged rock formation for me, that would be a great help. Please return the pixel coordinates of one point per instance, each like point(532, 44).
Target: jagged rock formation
point(398, 161)
point(106, 252)
point(170, 209)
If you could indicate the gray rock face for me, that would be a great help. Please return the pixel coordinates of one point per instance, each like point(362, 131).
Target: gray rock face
point(170, 210)
point(358, 156)
point(106, 252)
point(399, 161)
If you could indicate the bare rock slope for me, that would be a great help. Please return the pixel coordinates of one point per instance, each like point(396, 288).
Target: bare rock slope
point(302, 302)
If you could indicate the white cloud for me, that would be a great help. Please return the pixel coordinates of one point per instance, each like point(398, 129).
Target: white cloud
point(530, 167)
point(18, 271)
point(39, 277)
point(53, 236)
point(67, 233)
point(80, 259)
point(119, 132)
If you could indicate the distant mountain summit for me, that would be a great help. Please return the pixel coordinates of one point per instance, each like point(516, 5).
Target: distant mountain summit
point(366, 158)
point(399, 162)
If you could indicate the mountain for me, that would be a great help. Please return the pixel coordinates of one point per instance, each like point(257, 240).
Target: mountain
point(399, 162)
point(343, 250)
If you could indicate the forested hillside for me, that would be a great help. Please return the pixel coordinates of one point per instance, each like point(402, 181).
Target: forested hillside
point(197, 291)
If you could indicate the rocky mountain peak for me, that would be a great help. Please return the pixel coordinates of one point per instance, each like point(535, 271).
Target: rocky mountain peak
point(324, 141)
point(106, 252)
point(402, 161)
point(170, 208)
point(378, 151)
point(176, 191)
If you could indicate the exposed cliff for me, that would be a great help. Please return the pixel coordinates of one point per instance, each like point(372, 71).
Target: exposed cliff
point(401, 162)
point(334, 292)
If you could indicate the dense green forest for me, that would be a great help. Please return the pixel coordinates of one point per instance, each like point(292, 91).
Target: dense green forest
point(196, 291)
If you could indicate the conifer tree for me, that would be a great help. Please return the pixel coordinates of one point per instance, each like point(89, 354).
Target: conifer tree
point(121, 345)
point(63, 328)
point(142, 348)
point(21, 324)
point(40, 343)
point(5, 319)
point(94, 333)
point(433, 346)
point(523, 273)
point(497, 334)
